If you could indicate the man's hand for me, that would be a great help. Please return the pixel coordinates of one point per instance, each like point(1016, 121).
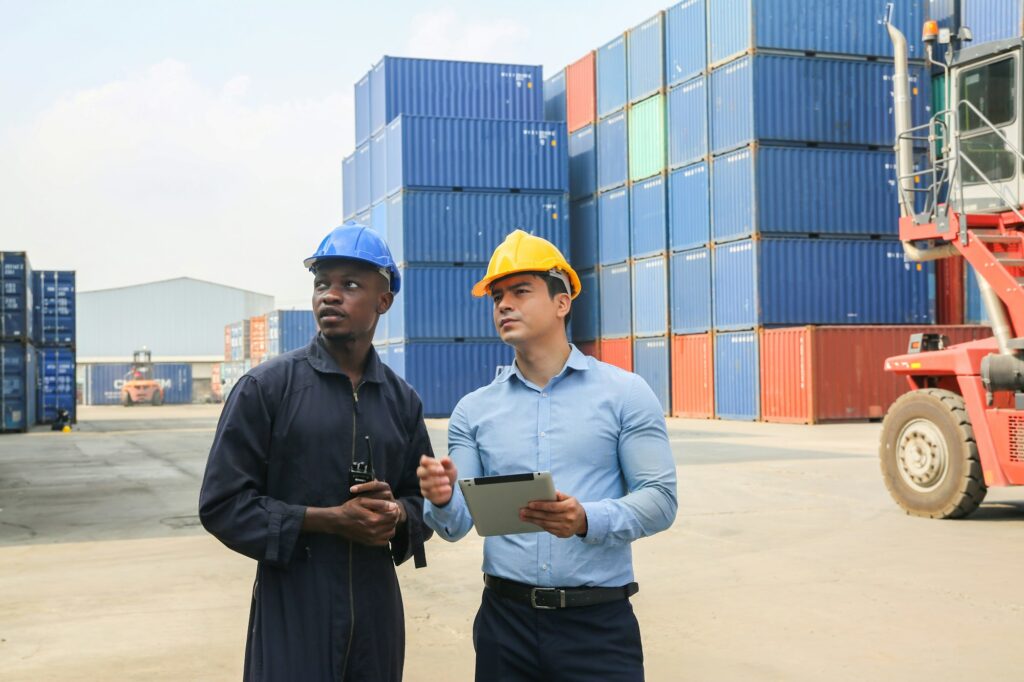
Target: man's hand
point(379, 490)
point(366, 520)
point(562, 518)
point(437, 479)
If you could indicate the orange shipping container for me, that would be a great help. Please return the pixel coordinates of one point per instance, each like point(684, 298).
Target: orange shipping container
point(580, 100)
point(592, 348)
point(618, 352)
point(693, 378)
point(258, 338)
point(227, 343)
point(818, 374)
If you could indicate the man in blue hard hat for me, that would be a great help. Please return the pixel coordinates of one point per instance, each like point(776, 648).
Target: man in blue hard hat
point(312, 473)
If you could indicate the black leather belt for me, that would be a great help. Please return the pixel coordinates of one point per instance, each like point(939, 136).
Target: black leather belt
point(558, 597)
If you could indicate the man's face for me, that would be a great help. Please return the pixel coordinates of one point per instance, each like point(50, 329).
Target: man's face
point(524, 310)
point(348, 297)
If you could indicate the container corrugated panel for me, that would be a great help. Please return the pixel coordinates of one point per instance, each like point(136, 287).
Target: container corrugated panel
point(378, 166)
point(428, 226)
point(56, 390)
point(380, 220)
point(363, 218)
point(583, 253)
point(737, 376)
point(611, 76)
point(780, 190)
point(689, 207)
point(802, 382)
point(825, 26)
point(650, 296)
point(362, 106)
point(647, 58)
point(554, 97)
point(618, 352)
point(582, 163)
point(15, 296)
point(348, 187)
point(364, 178)
point(651, 363)
point(289, 330)
point(616, 304)
point(647, 138)
point(416, 314)
point(53, 307)
point(17, 386)
point(991, 20)
point(648, 218)
point(586, 309)
point(612, 152)
point(431, 153)
point(690, 291)
point(819, 281)
point(581, 105)
point(240, 340)
point(455, 89)
point(613, 226)
point(807, 99)
point(974, 307)
point(104, 382)
point(949, 291)
point(688, 122)
point(442, 373)
point(257, 338)
point(685, 41)
point(693, 377)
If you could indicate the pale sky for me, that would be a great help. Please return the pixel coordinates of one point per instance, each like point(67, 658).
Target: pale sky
point(147, 140)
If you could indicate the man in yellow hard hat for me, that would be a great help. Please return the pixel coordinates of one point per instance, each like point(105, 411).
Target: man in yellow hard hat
point(556, 603)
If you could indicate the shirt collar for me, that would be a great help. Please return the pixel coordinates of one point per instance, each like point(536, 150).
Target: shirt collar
point(320, 359)
point(576, 360)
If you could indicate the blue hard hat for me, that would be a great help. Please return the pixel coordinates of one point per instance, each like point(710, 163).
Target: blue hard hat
point(354, 241)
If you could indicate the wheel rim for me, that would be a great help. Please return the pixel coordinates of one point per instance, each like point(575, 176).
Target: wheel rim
point(923, 455)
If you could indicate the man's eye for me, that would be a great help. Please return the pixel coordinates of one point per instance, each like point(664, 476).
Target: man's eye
point(351, 285)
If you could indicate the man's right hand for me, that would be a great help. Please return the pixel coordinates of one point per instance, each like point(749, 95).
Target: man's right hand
point(437, 479)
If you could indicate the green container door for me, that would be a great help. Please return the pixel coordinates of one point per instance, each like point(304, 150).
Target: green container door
point(647, 138)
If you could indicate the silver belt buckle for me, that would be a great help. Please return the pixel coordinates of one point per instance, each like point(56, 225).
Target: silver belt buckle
point(533, 598)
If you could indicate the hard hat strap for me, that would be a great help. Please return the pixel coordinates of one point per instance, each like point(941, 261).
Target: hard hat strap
point(559, 275)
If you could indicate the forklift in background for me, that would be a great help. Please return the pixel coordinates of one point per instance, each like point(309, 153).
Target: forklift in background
point(139, 385)
point(960, 429)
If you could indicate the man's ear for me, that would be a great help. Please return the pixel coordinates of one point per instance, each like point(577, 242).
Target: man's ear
point(384, 303)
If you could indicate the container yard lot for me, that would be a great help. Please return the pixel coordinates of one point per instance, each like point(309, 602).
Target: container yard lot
point(788, 561)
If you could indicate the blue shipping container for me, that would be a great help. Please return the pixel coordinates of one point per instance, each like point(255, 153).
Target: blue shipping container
point(362, 106)
point(616, 304)
point(798, 190)
point(379, 220)
point(476, 154)
point(378, 166)
point(582, 163)
point(650, 296)
point(56, 390)
point(648, 217)
point(53, 307)
point(689, 207)
point(583, 253)
point(613, 226)
point(364, 178)
point(348, 187)
point(17, 386)
point(826, 26)
point(807, 99)
point(433, 226)
point(554, 97)
point(646, 58)
point(737, 376)
point(586, 309)
point(442, 373)
point(650, 362)
point(364, 218)
point(690, 291)
point(974, 307)
point(776, 282)
point(454, 89)
point(103, 383)
point(612, 152)
point(436, 303)
point(685, 41)
point(611, 76)
point(688, 122)
point(15, 296)
point(289, 330)
point(991, 20)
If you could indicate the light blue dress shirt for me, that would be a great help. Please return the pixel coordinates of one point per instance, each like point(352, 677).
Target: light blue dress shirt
point(600, 431)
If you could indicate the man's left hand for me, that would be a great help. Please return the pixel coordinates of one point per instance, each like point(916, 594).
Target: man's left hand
point(379, 490)
point(562, 518)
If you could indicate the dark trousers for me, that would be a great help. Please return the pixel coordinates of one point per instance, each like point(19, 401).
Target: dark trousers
point(516, 643)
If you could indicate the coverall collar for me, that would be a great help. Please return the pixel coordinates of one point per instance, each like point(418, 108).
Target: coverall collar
point(320, 359)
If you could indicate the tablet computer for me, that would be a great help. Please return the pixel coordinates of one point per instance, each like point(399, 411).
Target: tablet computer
point(495, 501)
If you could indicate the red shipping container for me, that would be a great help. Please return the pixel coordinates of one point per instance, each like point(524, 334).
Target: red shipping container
point(591, 348)
point(227, 343)
point(949, 291)
point(580, 98)
point(819, 374)
point(693, 378)
point(618, 352)
point(257, 338)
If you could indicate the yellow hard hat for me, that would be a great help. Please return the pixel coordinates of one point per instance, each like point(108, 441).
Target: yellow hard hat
point(523, 252)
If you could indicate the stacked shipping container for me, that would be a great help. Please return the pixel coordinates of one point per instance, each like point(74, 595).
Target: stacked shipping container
point(53, 304)
point(249, 342)
point(17, 352)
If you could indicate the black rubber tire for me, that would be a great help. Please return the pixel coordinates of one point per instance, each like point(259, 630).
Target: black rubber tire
point(158, 399)
point(963, 488)
point(126, 400)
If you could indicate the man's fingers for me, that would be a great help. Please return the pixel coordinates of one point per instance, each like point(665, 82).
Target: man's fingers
point(378, 505)
point(548, 506)
point(370, 487)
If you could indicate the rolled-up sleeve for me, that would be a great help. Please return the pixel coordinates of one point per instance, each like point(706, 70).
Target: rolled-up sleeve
point(233, 504)
point(453, 520)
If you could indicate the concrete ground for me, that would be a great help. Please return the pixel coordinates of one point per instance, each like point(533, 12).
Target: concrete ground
point(788, 561)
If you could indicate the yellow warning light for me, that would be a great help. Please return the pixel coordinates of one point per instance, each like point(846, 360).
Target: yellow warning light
point(930, 30)
point(554, 216)
point(919, 267)
point(915, 365)
point(554, 143)
point(914, 90)
point(917, 179)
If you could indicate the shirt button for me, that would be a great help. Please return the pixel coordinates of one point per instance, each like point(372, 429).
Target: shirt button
point(542, 434)
point(544, 567)
point(543, 395)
